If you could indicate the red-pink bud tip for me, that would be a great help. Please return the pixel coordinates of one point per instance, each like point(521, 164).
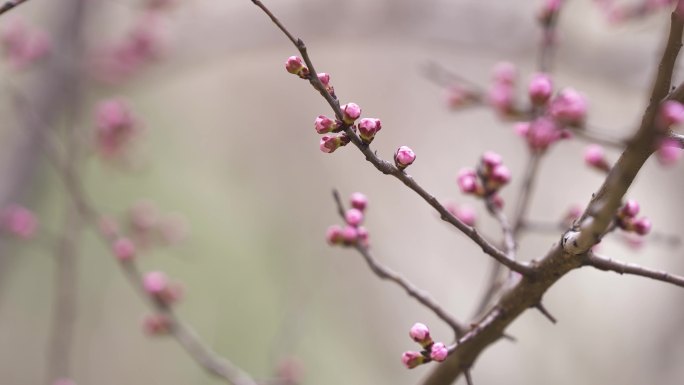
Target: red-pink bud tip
point(18, 221)
point(491, 159)
point(595, 156)
point(467, 181)
point(323, 124)
point(295, 65)
point(630, 209)
point(505, 73)
point(334, 235)
point(669, 152)
point(156, 324)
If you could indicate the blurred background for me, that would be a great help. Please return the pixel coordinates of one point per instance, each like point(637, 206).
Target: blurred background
point(226, 143)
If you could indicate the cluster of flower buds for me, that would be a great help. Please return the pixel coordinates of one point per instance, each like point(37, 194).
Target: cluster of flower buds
point(626, 219)
point(463, 213)
point(143, 43)
point(553, 115)
point(18, 221)
point(22, 45)
point(501, 95)
point(334, 138)
point(352, 233)
point(432, 351)
point(595, 157)
point(116, 127)
point(491, 175)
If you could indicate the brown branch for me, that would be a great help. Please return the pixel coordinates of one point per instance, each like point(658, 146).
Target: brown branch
point(384, 272)
point(605, 203)
point(388, 168)
point(525, 196)
point(607, 264)
point(9, 5)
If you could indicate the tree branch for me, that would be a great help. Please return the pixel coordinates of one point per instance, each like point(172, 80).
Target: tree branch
point(9, 5)
point(388, 168)
point(384, 272)
point(607, 264)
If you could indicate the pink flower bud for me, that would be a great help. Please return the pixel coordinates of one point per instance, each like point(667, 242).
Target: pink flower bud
point(350, 112)
point(156, 324)
point(669, 152)
point(295, 65)
point(501, 98)
point(359, 201)
point(116, 127)
point(671, 113)
point(349, 235)
point(630, 209)
point(569, 107)
point(540, 89)
point(404, 157)
point(353, 217)
point(421, 334)
point(521, 128)
point(323, 124)
point(368, 127)
point(330, 143)
point(549, 8)
point(124, 249)
point(501, 175)
point(334, 235)
point(505, 73)
point(542, 133)
point(642, 226)
point(594, 156)
point(491, 159)
point(324, 78)
point(467, 181)
point(362, 234)
point(155, 283)
point(412, 359)
point(439, 352)
point(18, 221)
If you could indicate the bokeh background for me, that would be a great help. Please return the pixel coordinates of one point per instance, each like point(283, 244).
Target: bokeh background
point(228, 143)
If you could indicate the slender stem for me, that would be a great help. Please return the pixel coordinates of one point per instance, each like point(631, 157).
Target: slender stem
point(384, 272)
point(608, 264)
point(525, 196)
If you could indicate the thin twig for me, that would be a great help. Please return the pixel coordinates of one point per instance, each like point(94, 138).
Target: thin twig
point(384, 272)
point(525, 195)
point(388, 168)
point(595, 135)
point(9, 5)
point(608, 264)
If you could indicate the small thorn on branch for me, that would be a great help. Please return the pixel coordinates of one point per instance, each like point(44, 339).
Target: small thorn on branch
point(468, 377)
point(509, 337)
point(545, 312)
